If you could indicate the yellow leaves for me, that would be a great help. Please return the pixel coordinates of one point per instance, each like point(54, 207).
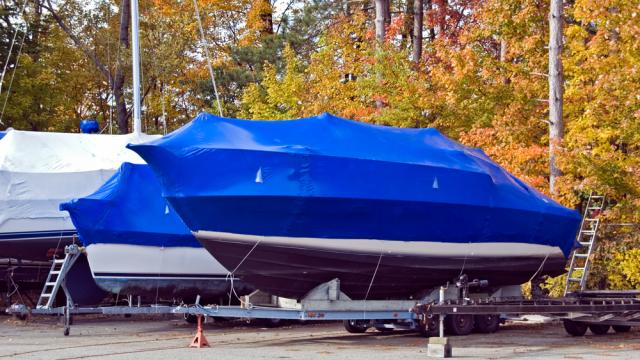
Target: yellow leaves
point(625, 269)
point(259, 21)
point(276, 97)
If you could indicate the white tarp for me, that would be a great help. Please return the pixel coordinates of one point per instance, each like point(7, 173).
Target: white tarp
point(39, 170)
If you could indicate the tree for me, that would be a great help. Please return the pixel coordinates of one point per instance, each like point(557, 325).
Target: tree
point(116, 77)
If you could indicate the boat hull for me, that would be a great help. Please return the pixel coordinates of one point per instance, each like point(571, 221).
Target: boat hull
point(375, 269)
point(35, 245)
point(166, 273)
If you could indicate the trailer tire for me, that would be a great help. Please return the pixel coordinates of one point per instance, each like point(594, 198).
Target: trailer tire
point(621, 328)
point(430, 326)
point(487, 324)
point(459, 324)
point(598, 329)
point(574, 328)
point(191, 319)
point(356, 326)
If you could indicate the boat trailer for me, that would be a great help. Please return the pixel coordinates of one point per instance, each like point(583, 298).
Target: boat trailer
point(450, 305)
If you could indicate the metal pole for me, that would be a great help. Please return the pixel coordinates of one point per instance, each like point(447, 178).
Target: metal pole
point(135, 63)
point(441, 317)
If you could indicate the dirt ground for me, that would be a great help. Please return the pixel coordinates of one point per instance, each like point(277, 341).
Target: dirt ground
point(167, 338)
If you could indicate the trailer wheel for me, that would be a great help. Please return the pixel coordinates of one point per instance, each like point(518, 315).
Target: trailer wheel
point(621, 328)
point(598, 329)
point(430, 326)
point(356, 326)
point(574, 328)
point(459, 324)
point(191, 319)
point(487, 324)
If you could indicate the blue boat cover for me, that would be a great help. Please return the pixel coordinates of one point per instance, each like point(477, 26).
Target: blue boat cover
point(329, 177)
point(129, 209)
point(2, 134)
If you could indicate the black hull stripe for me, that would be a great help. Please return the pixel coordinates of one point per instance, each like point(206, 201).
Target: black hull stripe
point(162, 275)
point(36, 234)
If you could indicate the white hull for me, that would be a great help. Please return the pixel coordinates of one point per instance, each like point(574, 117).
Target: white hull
point(137, 261)
point(161, 273)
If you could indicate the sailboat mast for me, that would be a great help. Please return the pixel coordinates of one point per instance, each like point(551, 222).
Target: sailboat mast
point(135, 60)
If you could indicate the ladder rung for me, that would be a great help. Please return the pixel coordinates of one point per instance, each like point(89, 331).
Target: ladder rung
point(594, 208)
point(45, 295)
point(55, 272)
point(581, 255)
point(585, 243)
point(58, 261)
point(50, 284)
point(578, 268)
point(596, 196)
point(574, 279)
point(588, 232)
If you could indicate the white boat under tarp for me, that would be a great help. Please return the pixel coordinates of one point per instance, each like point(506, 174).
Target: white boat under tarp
point(40, 170)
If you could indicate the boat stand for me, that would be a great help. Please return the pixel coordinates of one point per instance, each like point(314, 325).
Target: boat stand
point(199, 341)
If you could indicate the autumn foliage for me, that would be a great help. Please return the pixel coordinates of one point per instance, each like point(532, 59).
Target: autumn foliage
point(481, 80)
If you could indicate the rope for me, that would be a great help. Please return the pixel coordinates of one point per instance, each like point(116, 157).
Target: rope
point(13, 40)
point(208, 56)
point(13, 75)
point(230, 275)
point(540, 268)
point(164, 112)
point(366, 296)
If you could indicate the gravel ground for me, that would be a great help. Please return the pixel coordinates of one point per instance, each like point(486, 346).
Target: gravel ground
point(167, 338)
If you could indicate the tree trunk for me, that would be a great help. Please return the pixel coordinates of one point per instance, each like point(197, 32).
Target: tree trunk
point(556, 123)
point(432, 30)
point(418, 13)
point(380, 20)
point(387, 12)
point(407, 24)
point(122, 117)
point(380, 33)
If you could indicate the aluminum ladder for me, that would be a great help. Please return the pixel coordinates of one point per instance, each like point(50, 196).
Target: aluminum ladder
point(56, 277)
point(581, 258)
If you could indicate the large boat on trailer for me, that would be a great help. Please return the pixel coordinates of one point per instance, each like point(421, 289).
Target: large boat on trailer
point(390, 212)
point(137, 245)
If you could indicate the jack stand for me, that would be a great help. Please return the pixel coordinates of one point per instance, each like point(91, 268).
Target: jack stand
point(439, 346)
point(199, 341)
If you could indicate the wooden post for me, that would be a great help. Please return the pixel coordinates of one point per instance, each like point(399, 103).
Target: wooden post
point(556, 123)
